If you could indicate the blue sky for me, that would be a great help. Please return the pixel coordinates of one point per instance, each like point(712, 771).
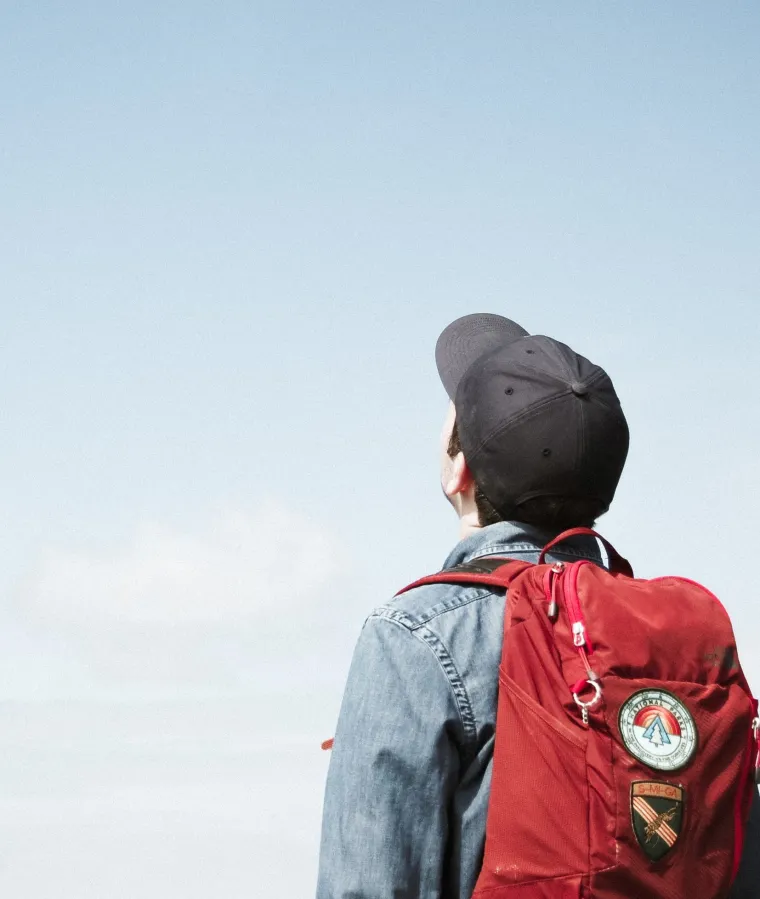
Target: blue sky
point(229, 236)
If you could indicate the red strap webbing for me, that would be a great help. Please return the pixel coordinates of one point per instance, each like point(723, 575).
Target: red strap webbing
point(501, 577)
point(617, 562)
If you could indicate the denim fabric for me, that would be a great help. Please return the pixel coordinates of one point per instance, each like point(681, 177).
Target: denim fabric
point(409, 777)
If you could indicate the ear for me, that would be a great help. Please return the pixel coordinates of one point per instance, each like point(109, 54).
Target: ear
point(460, 478)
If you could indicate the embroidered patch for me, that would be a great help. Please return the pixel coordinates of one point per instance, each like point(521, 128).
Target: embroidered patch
point(657, 816)
point(658, 730)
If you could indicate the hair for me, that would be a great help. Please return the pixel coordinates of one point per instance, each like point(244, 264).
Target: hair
point(553, 513)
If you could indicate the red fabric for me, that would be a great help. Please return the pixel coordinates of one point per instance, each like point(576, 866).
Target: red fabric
point(560, 812)
point(501, 577)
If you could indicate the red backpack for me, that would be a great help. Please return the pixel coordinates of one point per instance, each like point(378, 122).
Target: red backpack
point(626, 735)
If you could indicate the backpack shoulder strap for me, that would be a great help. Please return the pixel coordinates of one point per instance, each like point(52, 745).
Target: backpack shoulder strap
point(490, 571)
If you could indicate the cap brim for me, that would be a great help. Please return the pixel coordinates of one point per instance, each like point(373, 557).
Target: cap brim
point(468, 338)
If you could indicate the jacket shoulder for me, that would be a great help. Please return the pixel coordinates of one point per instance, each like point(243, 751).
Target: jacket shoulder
point(422, 604)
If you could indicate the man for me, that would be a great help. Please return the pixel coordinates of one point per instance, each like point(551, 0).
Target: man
point(534, 443)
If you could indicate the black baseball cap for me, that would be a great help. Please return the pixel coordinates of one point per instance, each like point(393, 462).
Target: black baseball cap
point(468, 338)
point(535, 418)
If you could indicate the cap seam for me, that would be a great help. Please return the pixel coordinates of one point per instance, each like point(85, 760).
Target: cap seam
point(596, 376)
point(517, 419)
point(539, 404)
point(557, 357)
point(525, 367)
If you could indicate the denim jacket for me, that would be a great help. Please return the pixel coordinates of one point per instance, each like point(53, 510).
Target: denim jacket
point(408, 783)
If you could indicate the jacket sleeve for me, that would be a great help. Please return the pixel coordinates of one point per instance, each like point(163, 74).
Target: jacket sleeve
point(747, 883)
point(393, 769)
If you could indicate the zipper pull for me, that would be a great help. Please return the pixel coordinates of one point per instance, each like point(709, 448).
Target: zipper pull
point(553, 610)
point(579, 634)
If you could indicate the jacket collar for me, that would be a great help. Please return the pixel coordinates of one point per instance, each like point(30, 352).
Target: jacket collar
point(514, 536)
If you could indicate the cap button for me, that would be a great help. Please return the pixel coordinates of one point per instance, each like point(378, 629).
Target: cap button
point(578, 388)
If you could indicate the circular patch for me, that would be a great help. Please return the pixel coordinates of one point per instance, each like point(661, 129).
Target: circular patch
point(658, 730)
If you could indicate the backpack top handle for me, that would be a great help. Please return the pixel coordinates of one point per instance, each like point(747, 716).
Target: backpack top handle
point(618, 564)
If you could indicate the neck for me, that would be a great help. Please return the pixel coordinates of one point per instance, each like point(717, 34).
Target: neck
point(469, 524)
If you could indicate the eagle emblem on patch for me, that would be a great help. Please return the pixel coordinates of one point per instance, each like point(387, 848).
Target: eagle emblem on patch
point(657, 816)
point(658, 730)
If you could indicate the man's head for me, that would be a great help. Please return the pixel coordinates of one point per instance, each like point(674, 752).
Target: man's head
point(534, 432)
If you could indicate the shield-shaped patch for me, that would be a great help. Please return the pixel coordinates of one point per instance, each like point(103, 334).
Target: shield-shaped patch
point(657, 816)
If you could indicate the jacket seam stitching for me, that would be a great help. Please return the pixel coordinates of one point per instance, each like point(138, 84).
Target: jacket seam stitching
point(464, 706)
point(443, 657)
point(461, 601)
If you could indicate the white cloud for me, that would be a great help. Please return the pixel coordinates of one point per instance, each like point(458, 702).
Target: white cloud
point(232, 572)
point(232, 606)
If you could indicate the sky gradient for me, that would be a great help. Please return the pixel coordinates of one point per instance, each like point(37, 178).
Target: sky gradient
point(231, 235)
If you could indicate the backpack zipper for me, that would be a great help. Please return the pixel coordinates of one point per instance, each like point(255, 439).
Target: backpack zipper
point(574, 610)
point(564, 582)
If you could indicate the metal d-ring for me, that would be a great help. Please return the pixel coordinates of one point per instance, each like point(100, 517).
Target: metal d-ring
point(585, 706)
